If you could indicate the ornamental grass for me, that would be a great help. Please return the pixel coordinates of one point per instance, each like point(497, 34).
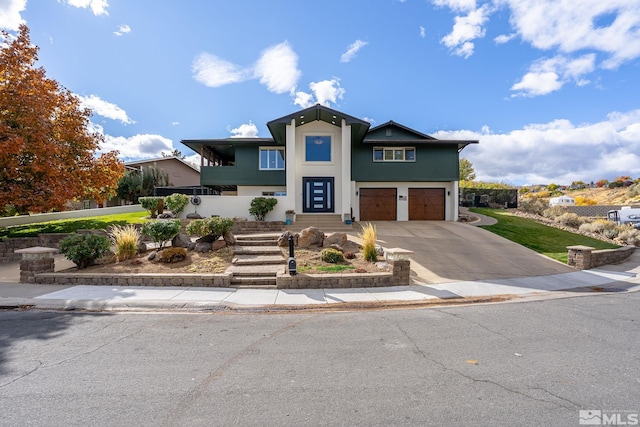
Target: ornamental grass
point(125, 238)
point(369, 238)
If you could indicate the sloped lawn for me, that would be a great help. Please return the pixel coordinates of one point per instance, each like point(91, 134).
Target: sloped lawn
point(548, 241)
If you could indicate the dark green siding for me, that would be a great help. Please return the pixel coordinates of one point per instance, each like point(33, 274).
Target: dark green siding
point(432, 164)
point(245, 172)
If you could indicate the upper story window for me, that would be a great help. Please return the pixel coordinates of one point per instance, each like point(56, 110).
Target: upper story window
point(394, 154)
point(271, 158)
point(317, 148)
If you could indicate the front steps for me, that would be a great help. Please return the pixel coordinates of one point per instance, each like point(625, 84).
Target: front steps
point(257, 261)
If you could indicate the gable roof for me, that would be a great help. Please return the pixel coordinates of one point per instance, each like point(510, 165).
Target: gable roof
point(159, 159)
point(377, 136)
point(318, 112)
point(391, 124)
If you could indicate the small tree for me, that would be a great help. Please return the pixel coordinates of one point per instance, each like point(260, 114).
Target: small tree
point(153, 205)
point(261, 206)
point(130, 186)
point(466, 170)
point(176, 203)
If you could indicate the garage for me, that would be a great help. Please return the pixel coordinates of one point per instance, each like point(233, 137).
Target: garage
point(378, 204)
point(426, 204)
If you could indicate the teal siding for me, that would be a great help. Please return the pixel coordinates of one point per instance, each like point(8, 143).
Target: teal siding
point(245, 172)
point(432, 164)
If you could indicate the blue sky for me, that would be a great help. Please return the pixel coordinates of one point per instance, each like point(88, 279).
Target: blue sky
point(550, 88)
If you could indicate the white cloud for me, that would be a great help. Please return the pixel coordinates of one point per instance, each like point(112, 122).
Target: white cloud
point(246, 130)
point(570, 26)
point(457, 5)
point(423, 31)
point(465, 29)
point(10, 17)
point(504, 38)
point(105, 109)
point(549, 75)
point(212, 71)
point(277, 69)
point(98, 7)
point(352, 50)
point(137, 147)
point(558, 151)
point(122, 30)
point(325, 92)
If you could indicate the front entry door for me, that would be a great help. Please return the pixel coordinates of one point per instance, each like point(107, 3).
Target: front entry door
point(318, 195)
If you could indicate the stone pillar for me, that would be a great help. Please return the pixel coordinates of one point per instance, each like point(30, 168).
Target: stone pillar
point(579, 257)
point(34, 261)
point(399, 260)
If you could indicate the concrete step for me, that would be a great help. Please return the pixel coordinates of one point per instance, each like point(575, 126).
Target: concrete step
point(256, 242)
point(261, 236)
point(256, 250)
point(258, 259)
point(268, 270)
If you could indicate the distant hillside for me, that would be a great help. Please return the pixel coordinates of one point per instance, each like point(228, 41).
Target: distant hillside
point(606, 196)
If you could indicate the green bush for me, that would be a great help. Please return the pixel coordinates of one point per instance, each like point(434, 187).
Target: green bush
point(176, 203)
point(152, 204)
point(161, 231)
point(261, 206)
point(331, 255)
point(215, 226)
point(84, 249)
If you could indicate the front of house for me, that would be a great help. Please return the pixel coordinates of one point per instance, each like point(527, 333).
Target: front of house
point(322, 161)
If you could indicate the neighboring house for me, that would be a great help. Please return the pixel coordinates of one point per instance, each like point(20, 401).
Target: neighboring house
point(181, 173)
point(322, 161)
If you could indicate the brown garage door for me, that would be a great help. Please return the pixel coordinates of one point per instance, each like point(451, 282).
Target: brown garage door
point(377, 204)
point(426, 204)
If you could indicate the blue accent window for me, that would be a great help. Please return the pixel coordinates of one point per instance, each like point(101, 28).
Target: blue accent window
point(271, 158)
point(318, 149)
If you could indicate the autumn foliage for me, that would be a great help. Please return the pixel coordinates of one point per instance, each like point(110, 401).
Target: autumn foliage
point(47, 151)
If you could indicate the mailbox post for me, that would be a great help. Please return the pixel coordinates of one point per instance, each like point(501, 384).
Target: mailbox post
point(292, 261)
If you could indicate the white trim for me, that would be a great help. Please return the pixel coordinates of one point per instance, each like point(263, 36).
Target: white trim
point(404, 155)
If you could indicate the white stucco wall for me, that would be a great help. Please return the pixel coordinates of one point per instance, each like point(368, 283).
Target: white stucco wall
point(255, 191)
point(402, 213)
point(234, 206)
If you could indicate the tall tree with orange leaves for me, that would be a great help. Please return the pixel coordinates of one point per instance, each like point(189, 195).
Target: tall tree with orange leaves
point(47, 151)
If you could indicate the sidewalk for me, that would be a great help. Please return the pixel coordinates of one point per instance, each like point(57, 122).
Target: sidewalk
point(615, 278)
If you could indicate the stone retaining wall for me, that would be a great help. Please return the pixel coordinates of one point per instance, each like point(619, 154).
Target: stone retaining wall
point(10, 245)
point(334, 281)
point(156, 280)
point(251, 227)
point(594, 211)
point(586, 257)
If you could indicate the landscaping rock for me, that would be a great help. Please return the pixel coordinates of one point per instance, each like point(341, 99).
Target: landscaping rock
point(283, 240)
point(203, 247)
point(230, 239)
point(166, 215)
point(152, 255)
point(193, 215)
point(209, 238)
point(142, 246)
point(310, 236)
point(240, 218)
point(336, 247)
point(335, 239)
point(182, 240)
point(218, 244)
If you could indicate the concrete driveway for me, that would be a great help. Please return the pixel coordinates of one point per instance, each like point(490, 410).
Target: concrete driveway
point(446, 251)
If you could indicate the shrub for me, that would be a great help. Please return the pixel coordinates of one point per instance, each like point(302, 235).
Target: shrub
point(584, 201)
point(125, 238)
point(261, 206)
point(629, 235)
point(161, 231)
point(216, 227)
point(152, 204)
point(569, 219)
point(331, 255)
point(176, 203)
point(602, 227)
point(368, 237)
point(84, 249)
point(173, 255)
point(554, 211)
point(533, 206)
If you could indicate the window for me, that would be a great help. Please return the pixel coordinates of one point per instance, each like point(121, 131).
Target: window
point(271, 158)
point(317, 148)
point(394, 154)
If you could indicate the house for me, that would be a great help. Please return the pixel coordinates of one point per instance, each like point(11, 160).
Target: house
point(180, 173)
point(322, 161)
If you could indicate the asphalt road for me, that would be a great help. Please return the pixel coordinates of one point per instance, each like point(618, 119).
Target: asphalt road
point(528, 363)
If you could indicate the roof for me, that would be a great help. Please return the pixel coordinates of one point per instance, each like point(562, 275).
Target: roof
point(159, 159)
point(391, 123)
point(318, 112)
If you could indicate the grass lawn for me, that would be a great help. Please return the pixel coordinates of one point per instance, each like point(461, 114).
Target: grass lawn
point(541, 238)
point(72, 225)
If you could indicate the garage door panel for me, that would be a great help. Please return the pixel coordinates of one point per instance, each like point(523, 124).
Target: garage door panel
point(378, 204)
point(426, 204)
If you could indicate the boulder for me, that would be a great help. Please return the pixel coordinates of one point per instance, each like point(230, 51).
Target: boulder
point(166, 215)
point(230, 239)
point(142, 247)
point(310, 236)
point(209, 238)
point(335, 239)
point(182, 240)
point(193, 215)
point(203, 247)
point(336, 247)
point(152, 255)
point(283, 240)
point(218, 244)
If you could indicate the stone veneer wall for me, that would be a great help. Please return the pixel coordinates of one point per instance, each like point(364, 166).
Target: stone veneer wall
point(595, 211)
point(585, 257)
point(9, 245)
point(156, 280)
point(250, 227)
